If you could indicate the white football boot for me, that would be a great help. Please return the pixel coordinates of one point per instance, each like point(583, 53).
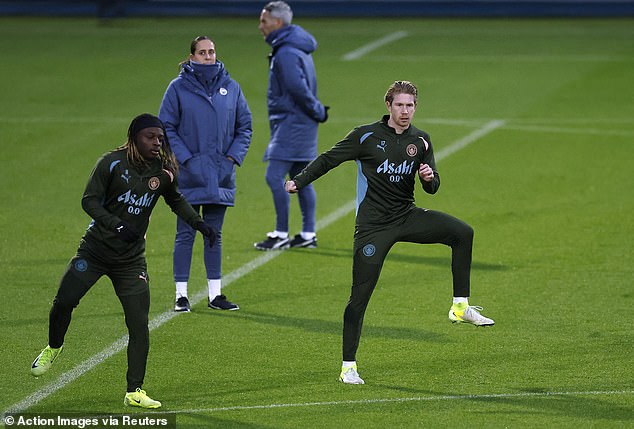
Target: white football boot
point(350, 375)
point(469, 314)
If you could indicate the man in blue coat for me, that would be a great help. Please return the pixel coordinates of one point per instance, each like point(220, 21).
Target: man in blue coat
point(294, 113)
point(208, 123)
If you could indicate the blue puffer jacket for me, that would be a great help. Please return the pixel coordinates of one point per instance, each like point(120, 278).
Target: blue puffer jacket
point(204, 127)
point(294, 109)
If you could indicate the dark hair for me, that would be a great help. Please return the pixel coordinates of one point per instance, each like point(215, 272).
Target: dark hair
point(141, 122)
point(401, 87)
point(192, 47)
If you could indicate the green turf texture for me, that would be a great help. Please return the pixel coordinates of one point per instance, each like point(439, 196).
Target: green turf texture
point(549, 195)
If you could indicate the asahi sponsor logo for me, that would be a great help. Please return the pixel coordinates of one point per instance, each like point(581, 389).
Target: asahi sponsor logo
point(387, 167)
point(131, 199)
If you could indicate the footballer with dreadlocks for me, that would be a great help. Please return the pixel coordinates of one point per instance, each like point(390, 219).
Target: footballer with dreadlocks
point(390, 154)
point(121, 193)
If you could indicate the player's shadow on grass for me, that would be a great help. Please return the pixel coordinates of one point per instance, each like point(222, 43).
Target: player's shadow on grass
point(208, 421)
point(577, 406)
point(530, 402)
point(330, 327)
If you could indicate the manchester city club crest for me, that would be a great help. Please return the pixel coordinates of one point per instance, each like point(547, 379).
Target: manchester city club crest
point(369, 250)
point(154, 183)
point(81, 265)
point(412, 150)
point(223, 91)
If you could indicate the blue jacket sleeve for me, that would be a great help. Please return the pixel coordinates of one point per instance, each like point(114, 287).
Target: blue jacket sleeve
point(243, 131)
point(289, 68)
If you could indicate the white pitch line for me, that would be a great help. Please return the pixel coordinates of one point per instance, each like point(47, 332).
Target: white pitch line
point(120, 344)
point(166, 316)
point(493, 59)
point(410, 399)
point(563, 130)
point(358, 53)
point(261, 260)
point(467, 140)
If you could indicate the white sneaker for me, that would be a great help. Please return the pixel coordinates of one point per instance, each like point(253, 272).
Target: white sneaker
point(350, 376)
point(469, 314)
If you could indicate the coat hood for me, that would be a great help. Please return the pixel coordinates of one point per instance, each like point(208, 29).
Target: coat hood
point(188, 73)
point(292, 35)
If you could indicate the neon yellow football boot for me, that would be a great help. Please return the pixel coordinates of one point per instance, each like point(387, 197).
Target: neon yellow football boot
point(139, 398)
point(45, 359)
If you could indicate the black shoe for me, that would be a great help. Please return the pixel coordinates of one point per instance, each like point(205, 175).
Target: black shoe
point(298, 241)
point(182, 304)
point(220, 303)
point(272, 242)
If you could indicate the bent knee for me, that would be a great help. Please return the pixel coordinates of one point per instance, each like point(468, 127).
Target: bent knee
point(467, 232)
point(462, 234)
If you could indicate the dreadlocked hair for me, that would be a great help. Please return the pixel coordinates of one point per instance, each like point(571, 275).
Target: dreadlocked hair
point(166, 155)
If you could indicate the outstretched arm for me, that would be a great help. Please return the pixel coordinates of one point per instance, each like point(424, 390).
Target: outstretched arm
point(346, 150)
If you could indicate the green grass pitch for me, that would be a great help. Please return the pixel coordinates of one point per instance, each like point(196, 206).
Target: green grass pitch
point(548, 190)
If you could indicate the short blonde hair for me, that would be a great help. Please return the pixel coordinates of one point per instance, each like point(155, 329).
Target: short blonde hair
point(401, 87)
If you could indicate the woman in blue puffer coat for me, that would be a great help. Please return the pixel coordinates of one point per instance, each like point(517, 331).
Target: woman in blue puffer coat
point(208, 123)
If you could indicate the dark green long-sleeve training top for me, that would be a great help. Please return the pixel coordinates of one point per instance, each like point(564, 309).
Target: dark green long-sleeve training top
point(118, 191)
point(387, 169)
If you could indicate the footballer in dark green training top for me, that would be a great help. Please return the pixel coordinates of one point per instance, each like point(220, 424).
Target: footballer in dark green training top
point(121, 193)
point(391, 156)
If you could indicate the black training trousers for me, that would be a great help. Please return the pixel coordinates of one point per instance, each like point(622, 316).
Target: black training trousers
point(371, 247)
point(131, 283)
